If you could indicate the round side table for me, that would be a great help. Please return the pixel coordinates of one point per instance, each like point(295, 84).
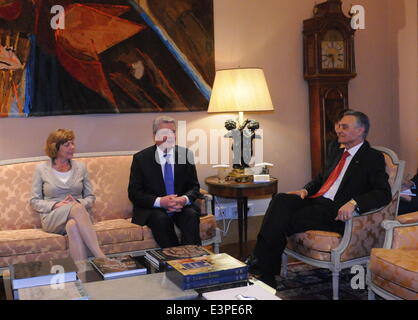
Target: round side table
point(240, 191)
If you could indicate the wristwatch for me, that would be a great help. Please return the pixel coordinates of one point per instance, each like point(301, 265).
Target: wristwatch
point(354, 203)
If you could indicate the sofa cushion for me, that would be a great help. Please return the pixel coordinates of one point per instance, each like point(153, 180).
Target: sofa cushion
point(408, 218)
point(308, 252)
point(15, 193)
point(317, 240)
point(117, 231)
point(43, 256)
point(394, 288)
point(29, 241)
point(396, 265)
point(109, 177)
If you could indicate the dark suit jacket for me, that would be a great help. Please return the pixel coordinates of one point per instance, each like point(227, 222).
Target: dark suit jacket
point(365, 180)
point(146, 181)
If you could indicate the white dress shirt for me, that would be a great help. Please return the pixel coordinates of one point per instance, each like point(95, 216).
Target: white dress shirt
point(163, 160)
point(330, 194)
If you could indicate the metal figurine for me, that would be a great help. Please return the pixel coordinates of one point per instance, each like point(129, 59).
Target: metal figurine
point(242, 144)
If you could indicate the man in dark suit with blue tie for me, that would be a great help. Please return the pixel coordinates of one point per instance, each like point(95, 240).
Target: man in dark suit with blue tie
point(354, 180)
point(163, 186)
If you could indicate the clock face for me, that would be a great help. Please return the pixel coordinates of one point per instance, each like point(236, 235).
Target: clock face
point(333, 54)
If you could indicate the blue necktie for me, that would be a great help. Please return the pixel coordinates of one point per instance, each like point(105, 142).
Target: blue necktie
point(168, 175)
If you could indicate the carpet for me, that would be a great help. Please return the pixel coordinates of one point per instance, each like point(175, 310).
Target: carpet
point(304, 282)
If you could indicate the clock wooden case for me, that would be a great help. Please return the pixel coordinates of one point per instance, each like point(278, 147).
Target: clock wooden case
point(328, 51)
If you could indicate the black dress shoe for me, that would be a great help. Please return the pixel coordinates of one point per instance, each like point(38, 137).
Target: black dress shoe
point(253, 266)
point(268, 279)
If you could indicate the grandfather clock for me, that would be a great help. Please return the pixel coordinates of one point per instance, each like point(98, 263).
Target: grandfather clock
point(328, 51)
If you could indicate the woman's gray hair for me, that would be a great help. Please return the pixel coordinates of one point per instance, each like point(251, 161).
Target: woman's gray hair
point(159, 120)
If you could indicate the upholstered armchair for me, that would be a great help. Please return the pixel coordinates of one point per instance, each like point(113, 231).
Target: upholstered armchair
point(209, 233)
point(363, 232)
point(392, 272)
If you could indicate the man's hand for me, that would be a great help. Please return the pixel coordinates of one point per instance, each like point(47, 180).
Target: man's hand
point(168, 201)
point(301, 193)
point(180, 202)
point(346, 212)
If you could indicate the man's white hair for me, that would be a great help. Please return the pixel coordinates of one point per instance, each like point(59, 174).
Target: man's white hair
point(159, 120)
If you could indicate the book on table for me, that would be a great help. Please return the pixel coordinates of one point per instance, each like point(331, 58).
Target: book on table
point(207, 270)
point(159, 257)
point(118, 267)
point(67, 291)
point(40, 273)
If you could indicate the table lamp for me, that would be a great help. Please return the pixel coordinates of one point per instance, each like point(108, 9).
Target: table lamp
point(240, 90)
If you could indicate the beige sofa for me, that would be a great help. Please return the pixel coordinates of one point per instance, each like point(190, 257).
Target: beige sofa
point(21, 236)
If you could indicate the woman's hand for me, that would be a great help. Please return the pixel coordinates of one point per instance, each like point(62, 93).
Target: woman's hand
point(68, 199)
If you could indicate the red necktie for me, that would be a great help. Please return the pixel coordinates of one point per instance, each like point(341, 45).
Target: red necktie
point(332, 177)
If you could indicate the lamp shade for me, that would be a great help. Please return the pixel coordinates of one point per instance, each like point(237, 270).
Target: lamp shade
point(240, 90)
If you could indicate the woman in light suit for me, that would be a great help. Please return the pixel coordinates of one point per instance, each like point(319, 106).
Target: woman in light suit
point(62, 194)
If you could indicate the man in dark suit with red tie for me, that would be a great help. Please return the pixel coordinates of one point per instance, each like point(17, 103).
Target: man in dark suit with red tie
point(354, 180)
point(163, 186)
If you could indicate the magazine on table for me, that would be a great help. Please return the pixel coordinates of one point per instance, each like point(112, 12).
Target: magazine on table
point(159, 257)
point(118, 267)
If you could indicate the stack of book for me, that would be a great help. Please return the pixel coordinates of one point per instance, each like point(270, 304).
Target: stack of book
point(118, 267)
point(158, 257)
point(50, 280)
point(207, 271)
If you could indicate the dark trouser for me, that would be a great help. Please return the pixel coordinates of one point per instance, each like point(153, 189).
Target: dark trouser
point(162, 226)
point(408, 206)
point(288, 214)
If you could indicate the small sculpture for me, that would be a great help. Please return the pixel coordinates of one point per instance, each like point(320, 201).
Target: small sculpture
point(243, 137)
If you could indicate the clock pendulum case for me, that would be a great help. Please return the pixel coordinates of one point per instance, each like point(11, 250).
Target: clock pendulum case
point(328, 54)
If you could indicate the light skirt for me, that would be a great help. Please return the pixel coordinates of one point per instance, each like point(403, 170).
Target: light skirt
point(56, 220)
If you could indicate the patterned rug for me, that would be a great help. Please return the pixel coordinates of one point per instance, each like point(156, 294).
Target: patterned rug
point(305, 282)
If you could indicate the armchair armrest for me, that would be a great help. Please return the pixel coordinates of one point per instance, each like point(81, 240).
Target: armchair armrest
point(408, 218)
point(205, 203)
point(364, 232)
point(401, 233)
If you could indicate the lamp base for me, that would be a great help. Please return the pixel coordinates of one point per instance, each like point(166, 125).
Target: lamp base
point(238, 175)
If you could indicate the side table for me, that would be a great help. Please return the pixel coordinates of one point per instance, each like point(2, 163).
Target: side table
point(241, 192)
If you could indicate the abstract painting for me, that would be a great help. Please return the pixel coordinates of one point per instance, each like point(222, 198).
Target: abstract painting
point(60, 57)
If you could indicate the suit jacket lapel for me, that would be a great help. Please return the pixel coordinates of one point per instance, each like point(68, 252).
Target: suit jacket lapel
point(57, 181)
point(176, 169)
point(157, 169)
point(354, 164)
point(333, 164)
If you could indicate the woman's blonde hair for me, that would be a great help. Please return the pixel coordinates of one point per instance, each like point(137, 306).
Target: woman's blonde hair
point(56, 139)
